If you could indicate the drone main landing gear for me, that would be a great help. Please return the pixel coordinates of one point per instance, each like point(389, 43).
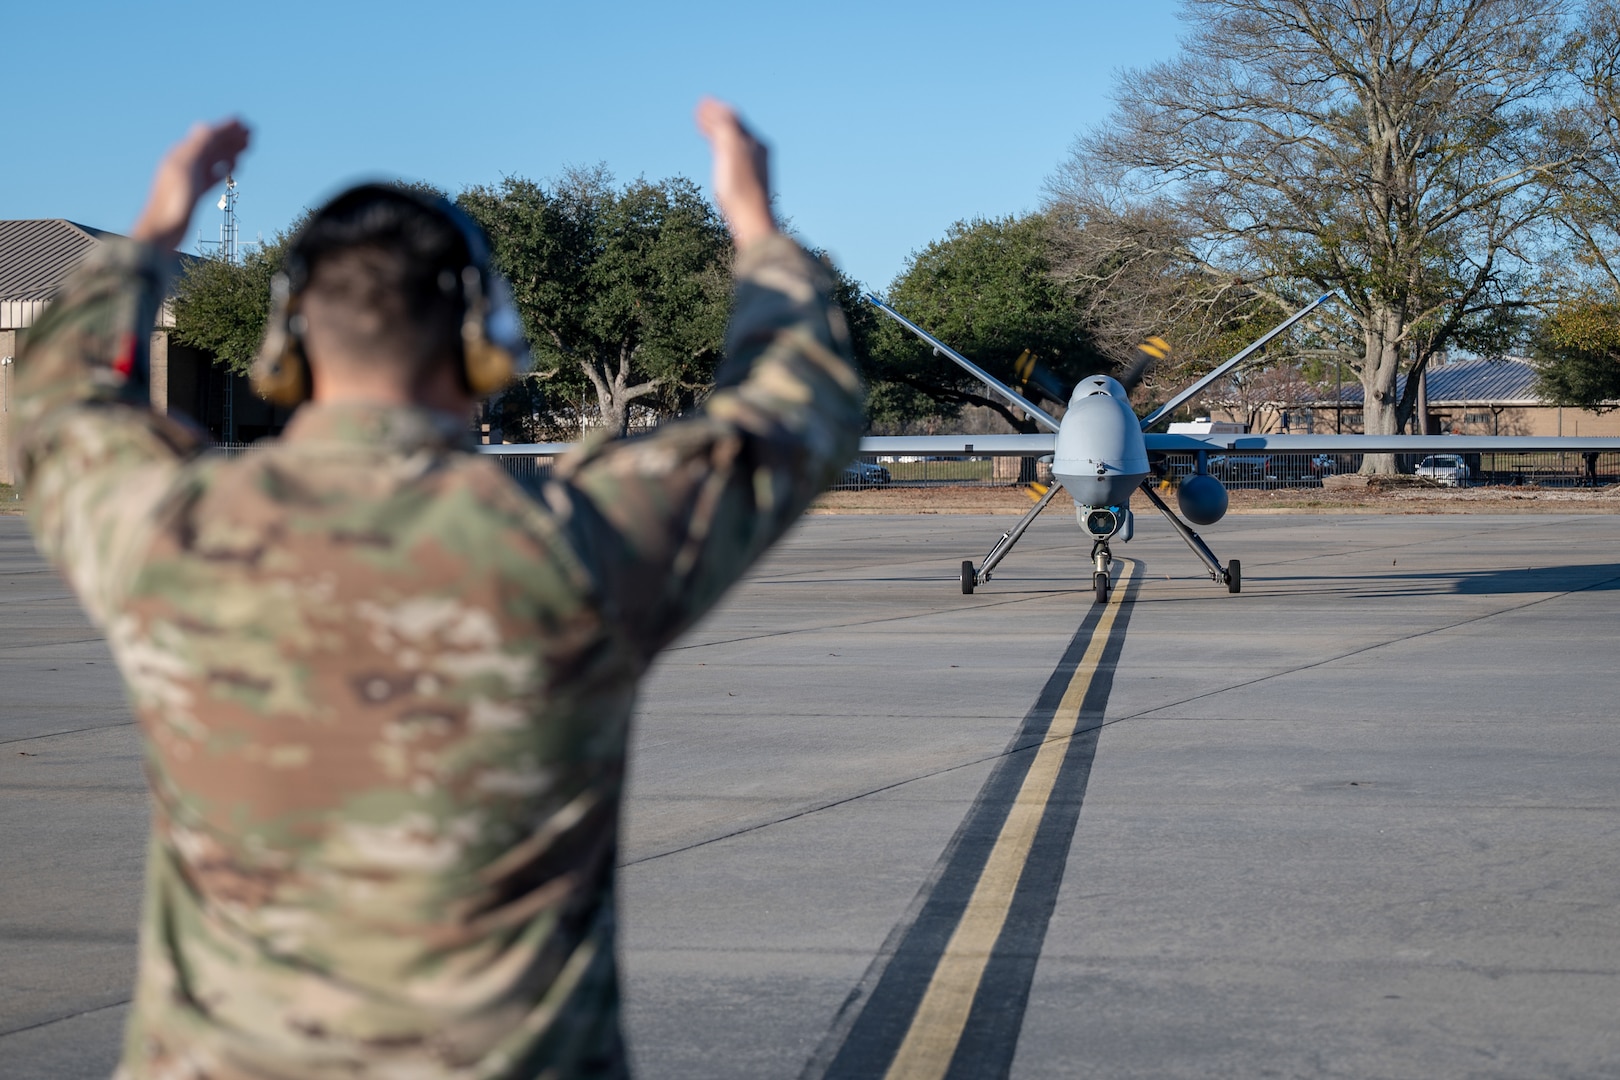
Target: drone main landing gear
point(1230, 575)
point(972, 577)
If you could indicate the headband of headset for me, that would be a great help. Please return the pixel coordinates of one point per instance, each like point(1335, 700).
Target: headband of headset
point(494, 351)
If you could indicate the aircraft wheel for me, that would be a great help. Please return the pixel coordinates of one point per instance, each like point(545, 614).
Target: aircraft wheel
point(1101, 582)
point(967, 577)
point(1234, 576)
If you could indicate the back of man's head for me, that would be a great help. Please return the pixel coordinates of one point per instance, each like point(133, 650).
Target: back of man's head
point(382, 289)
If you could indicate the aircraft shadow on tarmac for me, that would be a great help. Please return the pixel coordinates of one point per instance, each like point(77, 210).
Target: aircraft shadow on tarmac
point(1589, 577)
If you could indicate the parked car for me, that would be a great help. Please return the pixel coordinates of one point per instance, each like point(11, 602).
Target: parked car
point(1242, 469)
point(1447, 470)
point(1295, 469)
point(862, 474)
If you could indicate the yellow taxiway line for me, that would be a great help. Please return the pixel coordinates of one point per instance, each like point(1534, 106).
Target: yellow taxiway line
point(936, 1029)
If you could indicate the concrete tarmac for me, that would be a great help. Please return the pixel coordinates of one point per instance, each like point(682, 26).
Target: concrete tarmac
point(1360, 820)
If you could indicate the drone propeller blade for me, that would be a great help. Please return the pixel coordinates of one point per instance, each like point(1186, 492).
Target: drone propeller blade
point(1192, 391)
point(1034, 375)
point(1148, 353)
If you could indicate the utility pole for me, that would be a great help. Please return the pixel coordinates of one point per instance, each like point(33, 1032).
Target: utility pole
point(1338, 399)
point(5, 422)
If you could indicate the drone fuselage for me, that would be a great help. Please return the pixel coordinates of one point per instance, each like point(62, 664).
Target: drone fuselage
point(1100, 457)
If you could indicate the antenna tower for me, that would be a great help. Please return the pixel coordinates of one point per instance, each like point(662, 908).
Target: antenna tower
point(227, 249)
point(228, 226)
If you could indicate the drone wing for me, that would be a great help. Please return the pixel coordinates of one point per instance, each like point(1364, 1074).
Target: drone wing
point(1377, 444)
point(999, 388)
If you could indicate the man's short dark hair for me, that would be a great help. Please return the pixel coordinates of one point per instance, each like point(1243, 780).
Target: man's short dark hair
point(383, 281)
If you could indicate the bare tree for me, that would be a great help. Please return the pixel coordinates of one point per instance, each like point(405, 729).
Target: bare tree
point(1396, 151)
point(1262, 397)
point(1590, 203)
point(1579, 340)
point(1134, 272)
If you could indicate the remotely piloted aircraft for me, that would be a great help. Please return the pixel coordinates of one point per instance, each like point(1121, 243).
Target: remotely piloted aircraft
point(1100, 455)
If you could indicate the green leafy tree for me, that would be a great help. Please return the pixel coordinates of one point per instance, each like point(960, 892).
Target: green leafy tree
point(624, 291)
point(988, 290)
point(221, 306)
point(1579, 344)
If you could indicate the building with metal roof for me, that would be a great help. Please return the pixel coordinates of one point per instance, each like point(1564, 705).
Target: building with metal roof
point(1506, 380)
point(36, 256)
point(1473, 396)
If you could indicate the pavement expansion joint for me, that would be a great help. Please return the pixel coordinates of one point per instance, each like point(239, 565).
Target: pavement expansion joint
point(74, 731)
point(51, 644)
point(70, 1016)
point(859, 623)
point(1400, 639)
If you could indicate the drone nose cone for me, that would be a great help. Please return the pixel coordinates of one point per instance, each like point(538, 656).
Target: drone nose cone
point(1202, 499)
point(1098, 384)
point(1100, 433)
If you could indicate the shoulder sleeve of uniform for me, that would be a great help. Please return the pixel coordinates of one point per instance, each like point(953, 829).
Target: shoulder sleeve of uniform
point(91, 454)
point(667, 521)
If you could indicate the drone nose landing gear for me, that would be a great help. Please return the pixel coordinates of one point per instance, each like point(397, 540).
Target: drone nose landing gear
point(972, 577)
point(1101, 582)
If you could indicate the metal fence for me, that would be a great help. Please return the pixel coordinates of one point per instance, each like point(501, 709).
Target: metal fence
point(232, 449)
point(1237, 471)
point(1275, 471)
point(529, 470)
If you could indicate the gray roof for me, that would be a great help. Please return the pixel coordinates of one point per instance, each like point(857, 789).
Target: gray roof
point(35, 257)
point(1507, 380)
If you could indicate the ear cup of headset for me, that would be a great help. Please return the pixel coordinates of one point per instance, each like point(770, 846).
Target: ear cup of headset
point(487, 367)
point(494, 350)
point(282, 380)
point(491, 335)
point(280, 372)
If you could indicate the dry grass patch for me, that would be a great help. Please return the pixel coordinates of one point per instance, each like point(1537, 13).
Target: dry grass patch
point(1380, 499)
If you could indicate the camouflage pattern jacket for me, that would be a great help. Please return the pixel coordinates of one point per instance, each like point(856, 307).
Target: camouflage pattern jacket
point(385, 692)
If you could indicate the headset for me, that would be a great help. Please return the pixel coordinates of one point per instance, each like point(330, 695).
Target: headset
point(493, 349)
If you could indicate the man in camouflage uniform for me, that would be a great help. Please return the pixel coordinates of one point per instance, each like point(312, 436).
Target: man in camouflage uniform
point(385, 693)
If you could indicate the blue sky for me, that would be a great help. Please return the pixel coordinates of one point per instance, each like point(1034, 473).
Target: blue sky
point(888, 121)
